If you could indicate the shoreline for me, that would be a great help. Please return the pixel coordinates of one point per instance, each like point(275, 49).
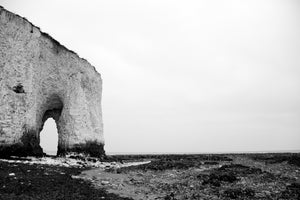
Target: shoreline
point(201, 176)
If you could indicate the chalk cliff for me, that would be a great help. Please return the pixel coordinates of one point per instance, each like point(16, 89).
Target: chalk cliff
point(40, 78)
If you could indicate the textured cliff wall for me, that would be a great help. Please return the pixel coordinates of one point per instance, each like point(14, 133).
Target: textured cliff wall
point(39, 78)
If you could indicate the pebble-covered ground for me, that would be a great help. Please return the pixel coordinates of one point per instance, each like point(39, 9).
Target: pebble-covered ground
point(48, 178)
point(247, 176)
point(234, 176)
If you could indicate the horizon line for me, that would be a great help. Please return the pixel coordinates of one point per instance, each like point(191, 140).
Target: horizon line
point(219, 152)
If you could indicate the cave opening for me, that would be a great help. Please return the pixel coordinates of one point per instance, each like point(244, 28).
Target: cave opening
point(18, 88)
point(49, 137)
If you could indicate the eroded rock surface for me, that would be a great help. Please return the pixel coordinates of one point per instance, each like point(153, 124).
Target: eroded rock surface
point(40, 78)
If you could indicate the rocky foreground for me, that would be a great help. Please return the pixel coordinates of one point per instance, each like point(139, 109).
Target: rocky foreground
point(234, 176)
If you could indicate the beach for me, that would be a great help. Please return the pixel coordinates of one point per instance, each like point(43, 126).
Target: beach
point(190, 176)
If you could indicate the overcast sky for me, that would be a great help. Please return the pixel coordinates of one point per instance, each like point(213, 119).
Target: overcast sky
point(186, 76)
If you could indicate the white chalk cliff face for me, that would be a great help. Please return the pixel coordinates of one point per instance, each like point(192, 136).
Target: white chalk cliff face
point(39, 78)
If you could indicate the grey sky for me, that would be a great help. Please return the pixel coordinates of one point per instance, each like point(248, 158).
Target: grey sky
point(186, 76)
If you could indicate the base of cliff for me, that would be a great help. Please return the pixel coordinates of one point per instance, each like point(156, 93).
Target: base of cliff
point(20, 150)
point(89, 148)
point(23, 149)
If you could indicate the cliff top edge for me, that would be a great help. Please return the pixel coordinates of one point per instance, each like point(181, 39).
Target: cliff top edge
point(2, 9)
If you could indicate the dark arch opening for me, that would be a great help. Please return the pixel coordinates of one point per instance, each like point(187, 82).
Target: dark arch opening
point(53, 109)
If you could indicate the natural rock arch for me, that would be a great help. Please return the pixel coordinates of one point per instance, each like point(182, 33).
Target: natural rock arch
point(53, 107)
point(39, 78)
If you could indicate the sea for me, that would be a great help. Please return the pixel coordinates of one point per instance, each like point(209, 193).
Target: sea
point(228, 152)
point(53, 153)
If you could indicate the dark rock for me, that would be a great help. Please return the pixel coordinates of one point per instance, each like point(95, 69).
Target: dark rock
point(239, 193)
point(291, 192)
point(216, 179)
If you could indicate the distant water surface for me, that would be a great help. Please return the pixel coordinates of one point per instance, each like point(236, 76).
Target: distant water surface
point(232, 152)
point(51, 152)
